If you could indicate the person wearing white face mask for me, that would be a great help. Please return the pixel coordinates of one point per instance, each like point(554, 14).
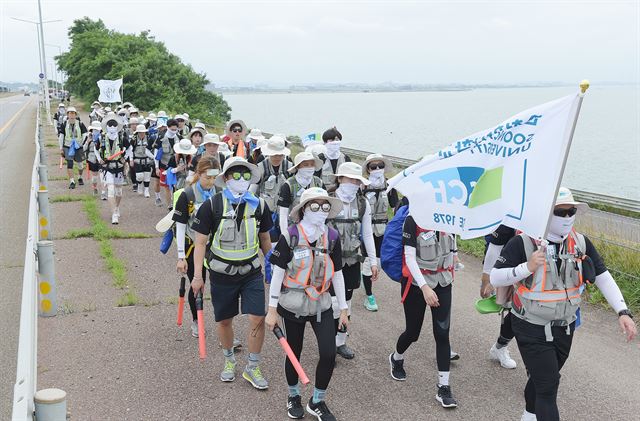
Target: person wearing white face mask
point(548, 282)
point(70, 138)
point(307, 260)
point(304, 166)
point(238, 224)
point(163, 156)
point(376, 167)
point(111, 157)
point(355, 228)
point(332, 159)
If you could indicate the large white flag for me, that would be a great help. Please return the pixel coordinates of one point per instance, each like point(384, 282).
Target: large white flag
point(110, 90)
point(507, 174)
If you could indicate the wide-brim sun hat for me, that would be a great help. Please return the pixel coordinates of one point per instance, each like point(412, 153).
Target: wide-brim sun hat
point(71, 110)
point(255, 134)
point(185, 147)
point(565, 197)
point(376, 157)
point(316, 193)
point(351, 170)
point(152, 117)
point(186, 116)
point(133, 120)
point(236, 161)
point(227, 129)
point(127, 104)
point(141, 128)
point(179, 117)
point(162, 114)
point(95, 125)
point(60, 105)
point(275, 145)
point(200, 125)
point(165, 223)
point(133, 110)
point(260, 144)
point(95, 102)
point(107, 109)
point(202, 132)
point(305, 156)
point(111, 117)
point(212, 138)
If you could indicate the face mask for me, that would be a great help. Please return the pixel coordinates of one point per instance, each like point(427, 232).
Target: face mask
point(112, 129)
point(238, 187)
point(96, 136)
point(171, 133)
point(559, 228)
point(333, 149)
point(347, 192)
point(376, 177)
point(313, 223)
point(304, 176)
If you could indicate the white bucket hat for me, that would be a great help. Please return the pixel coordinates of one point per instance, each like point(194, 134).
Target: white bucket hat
point(234, 122)
point(186, 116)
point(255, 134)
point(275, 145)
point(185, 147)
point(305, 156)
point(61, 105)
point(133, 120)
point(376, 157)
point(165, 223)
point(162, 114)
point(140, 128)
point(202, 132)
point(71, 110)
point(107, 110)
point(95, 125)
point(127, 104)
point(351, 170)
point(152, 117)
point(200, 125)
point(111, 117)
point(133, 110)
point(236, 161)
point(179, 117)
point(212, 138)
point(565, 197)
point(316, 193)
point(95, 102)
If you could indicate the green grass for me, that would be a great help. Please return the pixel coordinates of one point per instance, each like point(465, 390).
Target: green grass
point(65, 198)
point(474, 247)
point(128, 299)
point(58, 178)
point(78, 233)
point(612, 209)
point(51, 145)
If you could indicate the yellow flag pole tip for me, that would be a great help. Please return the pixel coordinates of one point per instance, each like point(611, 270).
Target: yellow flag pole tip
point(584, 85)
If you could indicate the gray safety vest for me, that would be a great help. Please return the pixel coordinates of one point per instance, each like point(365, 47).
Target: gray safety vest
point(329, 181)
point(434, 256)
point(194, 201)
point(379, 202)
point(140, 150)
point(69, 134)
point(167, 150)
point(269, 186)
point(297, 190)
point(551, 297)
point(92, 154)
point(348, 223)
point(107, 150)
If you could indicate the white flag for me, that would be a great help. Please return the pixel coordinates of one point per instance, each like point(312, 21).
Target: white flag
point(504, 175)
point(110, 90)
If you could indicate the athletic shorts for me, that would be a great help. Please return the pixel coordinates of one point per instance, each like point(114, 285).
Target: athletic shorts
point(93, 166)
point(163, 178)
point(116, 179)
point(228, 297)
point(78, 157)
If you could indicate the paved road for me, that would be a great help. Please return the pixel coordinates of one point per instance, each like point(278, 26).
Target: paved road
point(17, 121)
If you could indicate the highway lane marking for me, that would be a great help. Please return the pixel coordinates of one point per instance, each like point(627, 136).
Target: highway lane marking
point(15, 116)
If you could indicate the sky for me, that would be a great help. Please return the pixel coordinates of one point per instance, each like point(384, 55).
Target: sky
point(295, 42)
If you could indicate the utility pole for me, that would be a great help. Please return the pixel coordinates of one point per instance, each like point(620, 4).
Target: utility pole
point(46, 81)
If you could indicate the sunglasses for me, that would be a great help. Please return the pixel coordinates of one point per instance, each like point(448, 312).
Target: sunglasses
point(244, 175)
point(315, 207)
point(373, 167)
point(565, 212)
point(112, 123)
point(236, 130)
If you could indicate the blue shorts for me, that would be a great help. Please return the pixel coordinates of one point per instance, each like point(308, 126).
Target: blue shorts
point(228, 297)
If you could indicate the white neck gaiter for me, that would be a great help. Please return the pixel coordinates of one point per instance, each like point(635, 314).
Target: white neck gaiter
point(559, 228)
point(347, 192)
point(333, 149)
point(313, 223)
point(376, 178)
point(304, 176)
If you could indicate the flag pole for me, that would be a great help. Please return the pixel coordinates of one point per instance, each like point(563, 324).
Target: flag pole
point(584, 85)
point(122, 88)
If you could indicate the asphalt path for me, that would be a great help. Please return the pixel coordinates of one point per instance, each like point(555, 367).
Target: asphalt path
point(17, 127)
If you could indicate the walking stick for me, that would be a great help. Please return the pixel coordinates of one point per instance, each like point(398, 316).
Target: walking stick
point(181, 301)
point(292, 357)
point(201, 341)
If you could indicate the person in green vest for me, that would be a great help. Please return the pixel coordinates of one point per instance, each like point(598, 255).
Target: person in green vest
point(70, 139)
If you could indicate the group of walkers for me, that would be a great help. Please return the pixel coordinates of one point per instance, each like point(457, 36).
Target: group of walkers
point(319, 220)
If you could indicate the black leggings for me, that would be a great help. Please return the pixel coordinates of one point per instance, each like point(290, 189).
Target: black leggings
point(366, 280)
point(414, 310)
point(192, 298)
point(325, 335)
point(543, 361)
point(506, 331)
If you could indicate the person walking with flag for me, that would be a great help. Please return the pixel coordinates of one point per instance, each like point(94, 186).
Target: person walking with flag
point(70, 139)
point(548, 279)
point(307, 261)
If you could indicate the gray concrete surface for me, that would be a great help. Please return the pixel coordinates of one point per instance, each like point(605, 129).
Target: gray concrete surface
point(17, 124)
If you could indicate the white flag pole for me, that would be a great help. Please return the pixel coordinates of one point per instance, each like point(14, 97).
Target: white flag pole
point(122, 88)
point(584, 85)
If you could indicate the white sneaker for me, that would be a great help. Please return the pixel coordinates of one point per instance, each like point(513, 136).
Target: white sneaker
point(146, 192)
point(194, 329)
point(528, 416)
point(114, 219)
point(118, 212)
point(502, 355)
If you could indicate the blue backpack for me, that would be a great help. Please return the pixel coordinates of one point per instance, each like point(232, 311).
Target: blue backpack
point(392, 249)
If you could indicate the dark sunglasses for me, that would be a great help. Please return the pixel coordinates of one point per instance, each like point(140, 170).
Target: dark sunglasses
point(238, 175)
point(236, 130)
point(112, 123)
point(315, 207)
point(373, 167)
point(565, 212)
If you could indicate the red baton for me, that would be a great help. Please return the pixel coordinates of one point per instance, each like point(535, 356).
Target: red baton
point(201, 342)
point(292, 357)
point(181, 301)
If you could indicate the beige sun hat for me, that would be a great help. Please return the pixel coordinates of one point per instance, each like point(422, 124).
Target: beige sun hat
point(140, 128)
point(202, 132)
point(186, 116)
point(255, 134)
point(316, 193)
point(351, 170)
point(162, 114)
point(165, 223)
point(227, 129)
point(127, 104)
point(95, 102)
point(95, 125)
point(565, 197)
point(376, 157)
point(212, 138)
point(236, 161)
point(111, 117)
point(107, 110)
point(71, 110)
point(133, 120)
point(152, 117)
point(200, 125)
point(305, 156)
point(185, 147)
point(275, 145)
point(133, 110)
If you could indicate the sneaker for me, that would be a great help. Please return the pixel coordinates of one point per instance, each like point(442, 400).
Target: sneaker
point(458, 266)
point(146, 192)
point(72, 185)
point(320, 411)
point(114, 219)
point(135, 188)
point(169, 208)
point(397, 369)
point(158, 201)
point(445, 397)
point(454, 356)
point(194, 329)
point(254, 376)
point(345, 352)
point(502, 355)
point(370, 303)
point(229, 371)
point(80, 181)
point(528, 416)
point(103, 195)
point(294, 407)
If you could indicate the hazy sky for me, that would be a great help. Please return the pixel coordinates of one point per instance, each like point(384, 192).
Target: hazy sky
point(292, 42)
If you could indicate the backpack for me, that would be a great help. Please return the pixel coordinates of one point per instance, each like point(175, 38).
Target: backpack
point(391, 251)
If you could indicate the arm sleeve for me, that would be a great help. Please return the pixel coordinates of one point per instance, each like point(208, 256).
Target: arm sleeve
point(367, 235)
point(61, 139)
point(129, 153)
point(493, 252)
point(412, 265)
point(149, 154)
point(181, 230)
point(508, 276)
point(277, 277)
point(607, 285)
point(283, 218)
point(339, 289)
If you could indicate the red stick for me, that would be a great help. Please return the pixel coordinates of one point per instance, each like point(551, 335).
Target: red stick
point(61, 162)
point(181, 301)
point(201, 342)
point(292, 357)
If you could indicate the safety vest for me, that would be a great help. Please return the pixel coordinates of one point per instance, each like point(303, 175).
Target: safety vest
point(551, 297)
point(297, 190)
point(269, 187)
point(330, 182)
point(108, 149)
point(185, 131)
point(194, 201)
point(140, 150)
point(348, 223)
point(434, 256)
point(167, 150)
point(69, 134)
point(379, 202)
point(92, 153)
point(235, 250)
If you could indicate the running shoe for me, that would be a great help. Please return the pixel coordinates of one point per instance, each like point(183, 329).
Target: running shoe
point(80, 181)
point(294, 407)
point(254, 376)
point(453, 356)
point(370, 303)
point(103, 195)
point(397, 369)
point(135, 188)
point(459, 266)
point(229, 371)
point(345, 352)
point(72, 185)
point(146, 192)
point(503, 356)
point(158, 201)
point(528, 416)
point(445, 397)
point(114, 219)
point(194, 329)
point(320, 411)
